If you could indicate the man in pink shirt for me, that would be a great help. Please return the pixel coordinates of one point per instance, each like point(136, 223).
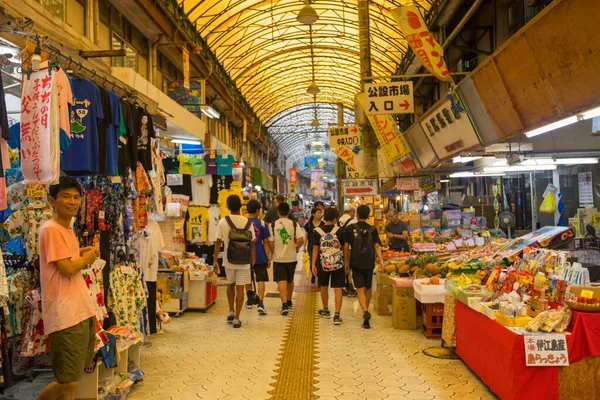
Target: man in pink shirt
point(68, 311)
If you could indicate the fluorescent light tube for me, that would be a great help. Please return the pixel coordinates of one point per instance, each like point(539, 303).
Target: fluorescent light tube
point(182, 141)
point(317, 143)
point(552, 126)
point(444, 180)
point(460, 160)
point(594, 112)
point(472, 174)
point(519, 168)
point(210, 112)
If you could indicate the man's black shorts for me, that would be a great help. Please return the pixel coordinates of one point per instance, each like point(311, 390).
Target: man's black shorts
point(337, 278)
point(284, 271)
point(362, 278)
point(261, 273)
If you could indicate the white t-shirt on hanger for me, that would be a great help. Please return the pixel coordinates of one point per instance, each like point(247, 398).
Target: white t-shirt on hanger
point(201, 190)
point(214, 213)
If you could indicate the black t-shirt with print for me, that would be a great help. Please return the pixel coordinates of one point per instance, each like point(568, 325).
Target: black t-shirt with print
point(146, 132)
point(220, 182)
point(171, 166)
point(309, 227)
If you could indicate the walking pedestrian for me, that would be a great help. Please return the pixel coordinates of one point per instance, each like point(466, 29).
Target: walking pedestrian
point(328, 262)
point(262, 249)
point(285, 242)
point(314, 222)
point(361, 247)
point(346, 220)
point(236, 234)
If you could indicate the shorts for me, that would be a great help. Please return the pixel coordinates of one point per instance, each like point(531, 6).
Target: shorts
point(284, 271)
point(238, 276)
point(72, 350)
point(260, 272)
point(337, 278)
point(362, 278)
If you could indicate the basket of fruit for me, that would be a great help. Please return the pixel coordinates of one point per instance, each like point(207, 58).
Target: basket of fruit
point(584, 304)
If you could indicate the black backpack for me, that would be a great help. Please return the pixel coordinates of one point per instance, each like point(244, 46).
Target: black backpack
point(363, 247)
point(239, 250)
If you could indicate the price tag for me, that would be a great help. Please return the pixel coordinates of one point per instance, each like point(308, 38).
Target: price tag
point(479, 241)
point(588, 294)
point(36, 191)
point(174, 180)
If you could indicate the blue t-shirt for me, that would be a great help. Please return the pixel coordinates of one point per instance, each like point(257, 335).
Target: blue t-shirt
point(83, 153)
point(225, 165)
point(112, 136)
point(15, 141)
point(261, 231)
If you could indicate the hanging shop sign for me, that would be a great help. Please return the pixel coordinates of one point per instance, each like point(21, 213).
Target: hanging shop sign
point(390, 98)
point(546, 351)
point(315, 177)
point(352, 173)
point(359, 187)
point(427, 184)
point(320, 190)
point(423, 44)
point(293, 175)
point(293, 187)
point(408, 184)
point(345, 136)
point(186, 67)
point(245, 130)
point(346, 154)
point(392, 142)
point(311, 161)
point(36, 191)
point(449, 131)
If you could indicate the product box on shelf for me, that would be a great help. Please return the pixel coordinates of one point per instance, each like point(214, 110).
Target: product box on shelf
point(474, 303)
point(577, 289)
point(428, 294)
point(487, 310)
point(508, 321)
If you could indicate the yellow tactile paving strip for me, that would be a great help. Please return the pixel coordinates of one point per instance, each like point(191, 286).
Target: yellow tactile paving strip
point(295, 376)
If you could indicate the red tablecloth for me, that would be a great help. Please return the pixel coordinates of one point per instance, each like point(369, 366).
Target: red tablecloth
point(497, 355)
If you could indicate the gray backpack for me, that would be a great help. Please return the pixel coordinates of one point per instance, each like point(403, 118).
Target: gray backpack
point(239, 250)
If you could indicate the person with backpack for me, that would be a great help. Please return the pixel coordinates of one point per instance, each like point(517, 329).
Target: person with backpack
point(361, 246)
point(236, 233)
point(344, 222)
point(314, 222)
point(285, 242)
point(328, 262)
point(260, 273)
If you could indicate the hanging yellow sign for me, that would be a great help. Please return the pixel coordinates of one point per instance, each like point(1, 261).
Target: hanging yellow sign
point(424, 45)
point(185, 56)
point(394, 145)
point(346, 154)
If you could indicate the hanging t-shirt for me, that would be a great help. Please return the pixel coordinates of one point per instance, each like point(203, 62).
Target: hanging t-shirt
point(112, 136)
point(219, 183)
point(197, 224)
point(198, 165)
point(132, 124)
point(171, 166)
point(87, 111)
point(65, 98)
point(184, 164)
point(3, 114)
point(211, 164)
point(225, 165)
point(201, 190)
point(123, 142)
point(223, 195)
point(103, 128)
point(261, 231)
point(146, 132)
point(213, 221)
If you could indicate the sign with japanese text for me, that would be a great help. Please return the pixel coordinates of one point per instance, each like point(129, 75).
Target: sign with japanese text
point(390, 98)
point(394, 145)
point(315, 177)
point(408, 184)
point(427, 184)
point(449, 132)
point(345, 136)
point(546, 351)
point(185, 55)
point(37, 121)
point(320, 190)
point(311, 161)
point(423, 44)
point(352, 173)
point(292, 188)
point(293, 175)
point(346, 154)
point(36, 191)
point(245, 130)
point(359, 187)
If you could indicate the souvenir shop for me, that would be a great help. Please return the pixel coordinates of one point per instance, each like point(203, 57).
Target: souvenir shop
point(73, 121)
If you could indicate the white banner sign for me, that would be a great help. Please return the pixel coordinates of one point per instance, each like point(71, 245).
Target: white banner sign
point(359, 187)
point(389, 98)
point(546, 351)
point(345, 136)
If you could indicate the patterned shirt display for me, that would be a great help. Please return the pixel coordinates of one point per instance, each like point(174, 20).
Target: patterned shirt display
point(27, 222)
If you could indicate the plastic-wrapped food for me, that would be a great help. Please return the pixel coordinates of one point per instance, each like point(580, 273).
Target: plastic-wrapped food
point(535, 324)
point(552, 320)
point(564, 323)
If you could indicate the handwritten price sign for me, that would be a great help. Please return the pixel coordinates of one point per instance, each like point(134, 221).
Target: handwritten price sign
point(546, 351)
point(36, 191)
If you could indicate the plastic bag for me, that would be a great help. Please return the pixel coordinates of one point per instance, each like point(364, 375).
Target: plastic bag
point(549, 204)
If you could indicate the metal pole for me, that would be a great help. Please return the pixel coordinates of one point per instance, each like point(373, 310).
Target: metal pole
point(339, 167)
point(409, 76)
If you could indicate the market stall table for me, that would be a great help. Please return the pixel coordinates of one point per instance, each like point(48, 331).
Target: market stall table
point(497, 355)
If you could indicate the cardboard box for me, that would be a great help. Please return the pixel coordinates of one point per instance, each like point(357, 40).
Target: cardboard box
point(576, 290)
point(385, 290)
point(382, 304)
point(383, 279)
point(404, 309)
point(414, 222)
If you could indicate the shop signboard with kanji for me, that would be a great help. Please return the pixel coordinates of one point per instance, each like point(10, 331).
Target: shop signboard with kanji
point(449, 131)
point(389, 98)
point(293, 175)
point(352, 173)
point(359, 187)
point(345, 136)
point(546, 351)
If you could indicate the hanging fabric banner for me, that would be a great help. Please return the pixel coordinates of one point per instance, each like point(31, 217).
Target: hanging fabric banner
point(185, 55)
point(39, 126)
point(315, 177)
point(424, 45)
point(394, 145)
point(293, 175)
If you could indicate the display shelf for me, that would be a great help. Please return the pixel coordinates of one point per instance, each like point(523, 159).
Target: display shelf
point(202, 293)
point(88, 386)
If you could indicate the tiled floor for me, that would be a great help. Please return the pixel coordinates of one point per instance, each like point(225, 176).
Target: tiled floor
point(200, 356)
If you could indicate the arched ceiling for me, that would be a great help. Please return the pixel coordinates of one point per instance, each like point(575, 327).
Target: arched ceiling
point(267, 52)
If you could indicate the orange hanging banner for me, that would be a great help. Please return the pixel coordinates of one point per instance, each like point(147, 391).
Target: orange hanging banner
point(427, 49)
point(293, 175)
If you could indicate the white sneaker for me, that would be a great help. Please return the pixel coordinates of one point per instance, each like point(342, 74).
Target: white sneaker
point(261, 310)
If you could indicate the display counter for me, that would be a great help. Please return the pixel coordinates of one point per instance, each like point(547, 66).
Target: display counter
point(497, 355)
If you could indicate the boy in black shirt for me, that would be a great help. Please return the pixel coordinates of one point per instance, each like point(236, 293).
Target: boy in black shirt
point(362, 244)
point(328, 262)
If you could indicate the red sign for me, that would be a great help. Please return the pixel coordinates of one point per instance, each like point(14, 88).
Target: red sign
point(293, 176)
